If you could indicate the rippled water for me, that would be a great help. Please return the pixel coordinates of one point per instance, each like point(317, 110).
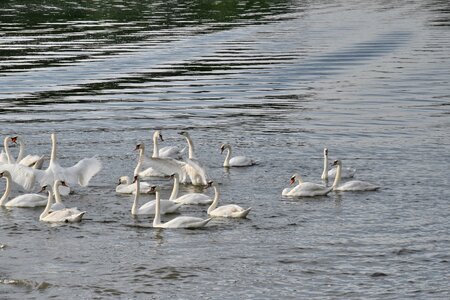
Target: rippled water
point(279, 80)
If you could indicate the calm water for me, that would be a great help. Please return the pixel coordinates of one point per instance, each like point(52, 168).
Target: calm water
point(279, 80)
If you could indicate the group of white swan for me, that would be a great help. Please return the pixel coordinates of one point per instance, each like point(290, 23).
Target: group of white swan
point(26, 172)
point(166, 162)
point(310, 189)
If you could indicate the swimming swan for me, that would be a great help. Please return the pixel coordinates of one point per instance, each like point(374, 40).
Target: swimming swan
point(237, 161)
point(353, 185)
point(126, 187)
point(66, 215)
point(189, 199)
point(225, 211)
point(345, 173)
point(167, 206)
point(306, 189)
point(25, 200)
point(178, 222)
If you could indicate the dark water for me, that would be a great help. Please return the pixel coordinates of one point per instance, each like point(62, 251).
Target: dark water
point(279, 80)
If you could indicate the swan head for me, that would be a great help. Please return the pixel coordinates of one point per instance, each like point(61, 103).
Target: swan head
point(5, 174)
point(157, 135)
point(295, 177)
point(223, 147)
point(139, 146)
point(184, 133)
point(325, 151)
point(61, 182)
point(211, 183)
point(337, 162)
point(174, 175)
point(14, 139)
point(44, 188)
point(155, 188)
point(123, 180)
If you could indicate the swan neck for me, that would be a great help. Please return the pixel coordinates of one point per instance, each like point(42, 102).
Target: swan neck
point(53, 154)
point(176, 186)
point(134, 208)
point(7, 151)
point(21, 150)
point(7, 189)
point(47, 207)
point(191, 147)
point(157, 219)
point(215, 201)
point(226, 163)
point(155, 147)
point(140, 160)
point(56, 192)
point(337, 180)
point(325, 167)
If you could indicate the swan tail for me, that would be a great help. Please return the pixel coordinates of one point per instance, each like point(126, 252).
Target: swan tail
point(245, 212)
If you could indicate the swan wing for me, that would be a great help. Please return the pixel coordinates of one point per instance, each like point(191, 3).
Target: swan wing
point(22, 175)
point(166, 165)
point(82, 172)
point(241, 161)
point(29, 160)
point(170, 151)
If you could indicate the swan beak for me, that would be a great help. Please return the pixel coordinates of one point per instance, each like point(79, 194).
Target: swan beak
point(2, 174)
point(138, 146)
point(292, 181)
point(135, 179)
point(14, 139)
point(42, 189)
point(63, 183)
point(161, 138)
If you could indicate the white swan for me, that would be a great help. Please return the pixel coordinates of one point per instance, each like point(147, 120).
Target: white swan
point(306, 189)
point(80, 173)
point(225, 211)
point(189, 170)
point(25, 200)
point(126, 187)
point(167, 151)
point(66, 215)
point(237, 161)
point(178, 222)
point(188, 199)
point(20, 174)
point(167, 206)
point(59, 205)
point(29, 160)
point(191, 154)
point(345, 172)
point(148, 171)
point(353, 185)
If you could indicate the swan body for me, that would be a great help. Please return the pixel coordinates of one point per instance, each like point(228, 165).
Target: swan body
point(125, 187)
point(225, 211)
point(25, 200)
point(178, 222)
point(166, 206)
point(306, 189)
point(237, 161)
point(345, 172)
point(188, 199)
point(353, 185)
point(65, 215)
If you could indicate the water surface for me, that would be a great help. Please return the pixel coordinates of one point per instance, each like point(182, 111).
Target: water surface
point(279, 80)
